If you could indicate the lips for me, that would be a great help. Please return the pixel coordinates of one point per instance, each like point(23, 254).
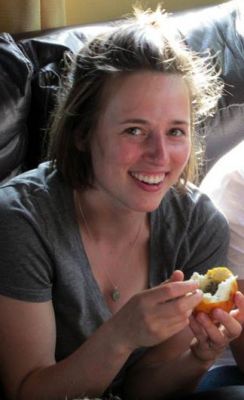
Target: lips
point(149, 179)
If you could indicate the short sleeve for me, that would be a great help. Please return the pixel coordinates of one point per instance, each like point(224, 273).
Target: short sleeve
point(25, 255)
point(190, 234)
point(207, 238)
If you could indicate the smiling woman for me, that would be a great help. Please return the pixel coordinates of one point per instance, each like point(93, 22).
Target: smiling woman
point(142, 141)
point(102, 61)
point(106, 230)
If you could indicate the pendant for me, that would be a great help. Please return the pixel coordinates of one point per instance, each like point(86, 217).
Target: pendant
point(115, 294)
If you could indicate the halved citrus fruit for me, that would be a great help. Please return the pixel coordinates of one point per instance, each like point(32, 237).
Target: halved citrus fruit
point(219, 286)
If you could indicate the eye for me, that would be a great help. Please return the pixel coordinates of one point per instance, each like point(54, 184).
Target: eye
point(135, 131)
point(176, 132)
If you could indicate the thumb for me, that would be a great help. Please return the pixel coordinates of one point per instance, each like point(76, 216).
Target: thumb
point(238, 313)
point(177, 276)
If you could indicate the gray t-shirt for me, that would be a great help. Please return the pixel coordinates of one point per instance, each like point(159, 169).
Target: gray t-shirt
point(42, 257)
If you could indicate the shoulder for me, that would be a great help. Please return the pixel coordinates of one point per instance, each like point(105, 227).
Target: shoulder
point(23, 191)
point(26, 238)
point(190, 216)
point(34, 201)
point(37, 204)
point(191, 205)
point(38, 177)
point(194, 232)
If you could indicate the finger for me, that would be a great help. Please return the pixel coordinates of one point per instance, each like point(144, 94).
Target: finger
point(197, 328)
point(177, 275)
point(232, 327)
point(226, 331)
point(213, 332)
point(172, 290)
point(238, 314)
point(180, 308)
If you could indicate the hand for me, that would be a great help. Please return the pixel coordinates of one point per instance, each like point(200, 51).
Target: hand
point(214, 333)
point(156, 314)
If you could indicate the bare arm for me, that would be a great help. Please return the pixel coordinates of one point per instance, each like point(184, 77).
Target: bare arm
point(28, 338)
point(178, 364)
point(166, 369)
point(28, 367)
point(157, 381)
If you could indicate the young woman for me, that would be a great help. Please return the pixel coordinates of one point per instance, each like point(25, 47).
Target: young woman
point(99, 243)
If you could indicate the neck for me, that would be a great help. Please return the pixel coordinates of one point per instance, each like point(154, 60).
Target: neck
point(114, 242)
point(108, 222)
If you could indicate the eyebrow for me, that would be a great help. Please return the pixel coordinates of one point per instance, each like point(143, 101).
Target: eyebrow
point(144, 122)
point(180, 122)
point(134, 121)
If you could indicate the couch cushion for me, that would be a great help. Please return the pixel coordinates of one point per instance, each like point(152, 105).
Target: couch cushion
point(47, 53)
point(219, 30)
point(224, 132)
point(15, 84)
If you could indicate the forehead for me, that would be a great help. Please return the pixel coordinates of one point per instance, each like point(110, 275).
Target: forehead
point(147, 91)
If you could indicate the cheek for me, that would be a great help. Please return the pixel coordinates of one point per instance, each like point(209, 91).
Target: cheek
point(111, 157)
point(101, 151)
point(182, 154)
point(125, 154)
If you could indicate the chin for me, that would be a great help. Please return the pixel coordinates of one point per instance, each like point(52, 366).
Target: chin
point(147, 207)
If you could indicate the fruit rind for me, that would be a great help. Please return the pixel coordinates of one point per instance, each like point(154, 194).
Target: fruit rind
point(224, 296)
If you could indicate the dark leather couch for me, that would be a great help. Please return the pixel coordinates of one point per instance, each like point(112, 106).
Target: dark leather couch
point(30, 68)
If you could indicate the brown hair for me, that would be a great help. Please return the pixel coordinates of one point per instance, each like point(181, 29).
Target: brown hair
point(142, 42)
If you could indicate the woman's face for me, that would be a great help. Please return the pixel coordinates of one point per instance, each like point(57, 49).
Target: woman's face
point(142, 140)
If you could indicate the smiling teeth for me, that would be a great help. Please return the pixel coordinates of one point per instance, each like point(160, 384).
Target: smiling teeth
point(152, 180)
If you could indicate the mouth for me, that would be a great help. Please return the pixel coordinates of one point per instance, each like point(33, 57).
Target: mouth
point(153, 180)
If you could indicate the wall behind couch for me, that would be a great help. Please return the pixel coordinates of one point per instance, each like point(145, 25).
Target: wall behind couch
point(29, 15)
point(86, 11)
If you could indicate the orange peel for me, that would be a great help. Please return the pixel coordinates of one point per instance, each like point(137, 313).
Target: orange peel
point(219, 286)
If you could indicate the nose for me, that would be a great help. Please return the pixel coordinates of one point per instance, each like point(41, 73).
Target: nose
point(158, 147)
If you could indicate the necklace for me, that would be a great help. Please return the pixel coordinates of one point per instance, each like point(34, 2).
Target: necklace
point(115, 293)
